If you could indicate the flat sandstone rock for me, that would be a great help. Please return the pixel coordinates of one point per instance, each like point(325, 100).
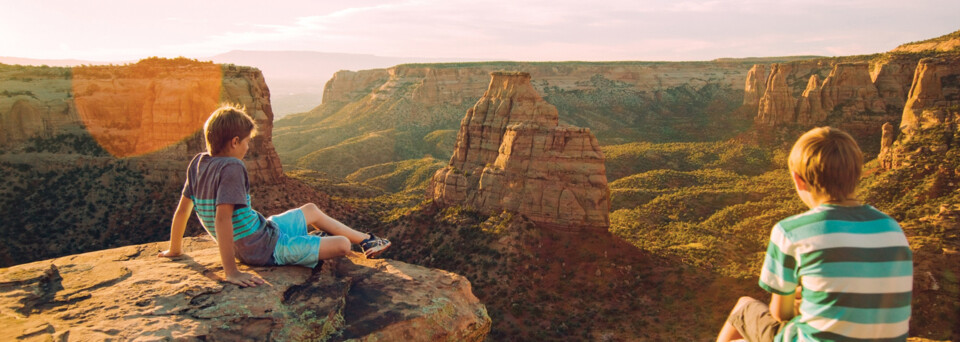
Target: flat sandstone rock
point(128, 293)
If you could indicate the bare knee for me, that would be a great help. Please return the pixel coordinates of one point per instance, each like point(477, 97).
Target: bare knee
point(310, 207)
point(343, 245)
point(743, 301)
point(334, 246)
point(311, 213)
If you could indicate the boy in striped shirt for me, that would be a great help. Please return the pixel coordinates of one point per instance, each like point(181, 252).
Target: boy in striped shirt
point(850, 263)
point(218, 188)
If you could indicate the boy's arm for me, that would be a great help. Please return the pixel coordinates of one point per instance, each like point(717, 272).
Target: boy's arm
point(223, 224)
point(180, 217)
point(781, 306)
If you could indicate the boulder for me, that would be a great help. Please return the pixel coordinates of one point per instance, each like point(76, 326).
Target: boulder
point(129, 293)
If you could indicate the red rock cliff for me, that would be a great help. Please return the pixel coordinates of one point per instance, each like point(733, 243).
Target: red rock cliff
point(106, 147)
point(755, 86)
point(511, 154)
point(154, 109)
point(934, 95)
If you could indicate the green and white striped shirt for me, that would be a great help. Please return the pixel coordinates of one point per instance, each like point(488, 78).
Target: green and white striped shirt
point(856, 269)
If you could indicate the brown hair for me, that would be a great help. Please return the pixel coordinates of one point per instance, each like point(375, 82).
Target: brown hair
point(829, 161)
point(224, 124)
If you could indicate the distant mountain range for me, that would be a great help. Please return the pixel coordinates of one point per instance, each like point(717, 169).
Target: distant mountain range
point(295, 78)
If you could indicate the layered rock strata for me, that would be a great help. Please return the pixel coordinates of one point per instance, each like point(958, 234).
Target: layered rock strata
point(860, 100)
point(892, 77)
point(809, 108)
point(934, 95)
point(129, 294)
point(755, 86)
point(777, 104)
point(511, 154)
point(153, 109)
point(850, 88)
point(617, 100)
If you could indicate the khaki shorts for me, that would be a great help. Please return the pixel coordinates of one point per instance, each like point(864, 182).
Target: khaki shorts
point(754, 322)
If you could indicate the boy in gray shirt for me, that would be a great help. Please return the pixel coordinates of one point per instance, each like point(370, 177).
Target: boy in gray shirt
point(218, 188)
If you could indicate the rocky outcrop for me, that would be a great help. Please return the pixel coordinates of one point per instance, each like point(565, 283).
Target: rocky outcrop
point(934, 95)
point(153, 109)
point(859, 100)
point(128, 293)
point(106, 147)
point(511, 154)
point(945, 43)
point(809, 108)
point(892, 77)
point(347, 85)
point(777, 104)
point(755, 86)
point(886, 142)
point(850, 88)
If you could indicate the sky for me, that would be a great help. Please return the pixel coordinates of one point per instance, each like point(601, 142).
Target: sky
point(553, 30)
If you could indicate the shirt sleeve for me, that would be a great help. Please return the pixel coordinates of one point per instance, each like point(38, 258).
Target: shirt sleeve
point(232, 188)
point(187, 187)
point(779, 273)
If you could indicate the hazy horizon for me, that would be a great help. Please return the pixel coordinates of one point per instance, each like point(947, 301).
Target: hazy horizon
point(658, 30)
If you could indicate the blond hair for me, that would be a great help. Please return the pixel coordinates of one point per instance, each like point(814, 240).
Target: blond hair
point(829, 161)
point(224, 124)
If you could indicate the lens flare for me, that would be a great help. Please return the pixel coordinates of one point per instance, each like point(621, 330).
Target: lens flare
point(145, 107)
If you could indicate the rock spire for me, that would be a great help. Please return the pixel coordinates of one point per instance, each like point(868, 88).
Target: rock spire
point(511, 154)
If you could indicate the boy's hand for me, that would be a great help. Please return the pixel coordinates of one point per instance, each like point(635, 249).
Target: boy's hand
point(169, 254)
point(245, 280)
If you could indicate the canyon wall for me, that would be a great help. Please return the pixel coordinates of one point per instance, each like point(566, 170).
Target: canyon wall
point(392, 110)
point(794, 93)
point(88, 152)
point(934, 94)
point(511, 154)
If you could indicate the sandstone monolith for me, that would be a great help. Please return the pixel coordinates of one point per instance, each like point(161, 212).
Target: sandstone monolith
point(511, 154)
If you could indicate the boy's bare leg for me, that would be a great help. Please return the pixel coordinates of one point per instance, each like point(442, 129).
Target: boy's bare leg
point(333, 246)
point(318, 218)
point(728, 333)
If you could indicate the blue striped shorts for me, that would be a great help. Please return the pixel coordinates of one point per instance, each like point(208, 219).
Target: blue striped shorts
point(294, 246)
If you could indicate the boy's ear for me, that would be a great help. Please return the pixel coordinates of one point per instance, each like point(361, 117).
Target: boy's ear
point(798, 181)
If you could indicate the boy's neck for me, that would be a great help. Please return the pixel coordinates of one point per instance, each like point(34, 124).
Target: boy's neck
point(821, 200)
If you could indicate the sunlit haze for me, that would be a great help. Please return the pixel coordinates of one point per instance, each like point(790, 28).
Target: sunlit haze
point(509, 30)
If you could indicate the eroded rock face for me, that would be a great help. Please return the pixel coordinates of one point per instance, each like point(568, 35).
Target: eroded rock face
point(809, 108)
point(777, 104)
point(153, 109)
point(755, 86)
point(893, 77)
point(511, 154)
point(850, 88)
point(934, 95)
point(886, 142)
point(128, 293)
point(106, 148)
point(848, 96)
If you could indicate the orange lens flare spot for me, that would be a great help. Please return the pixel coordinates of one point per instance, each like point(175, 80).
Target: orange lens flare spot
point(145, 107)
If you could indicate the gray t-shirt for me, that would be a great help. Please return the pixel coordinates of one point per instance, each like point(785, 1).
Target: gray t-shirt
point(212, 181)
